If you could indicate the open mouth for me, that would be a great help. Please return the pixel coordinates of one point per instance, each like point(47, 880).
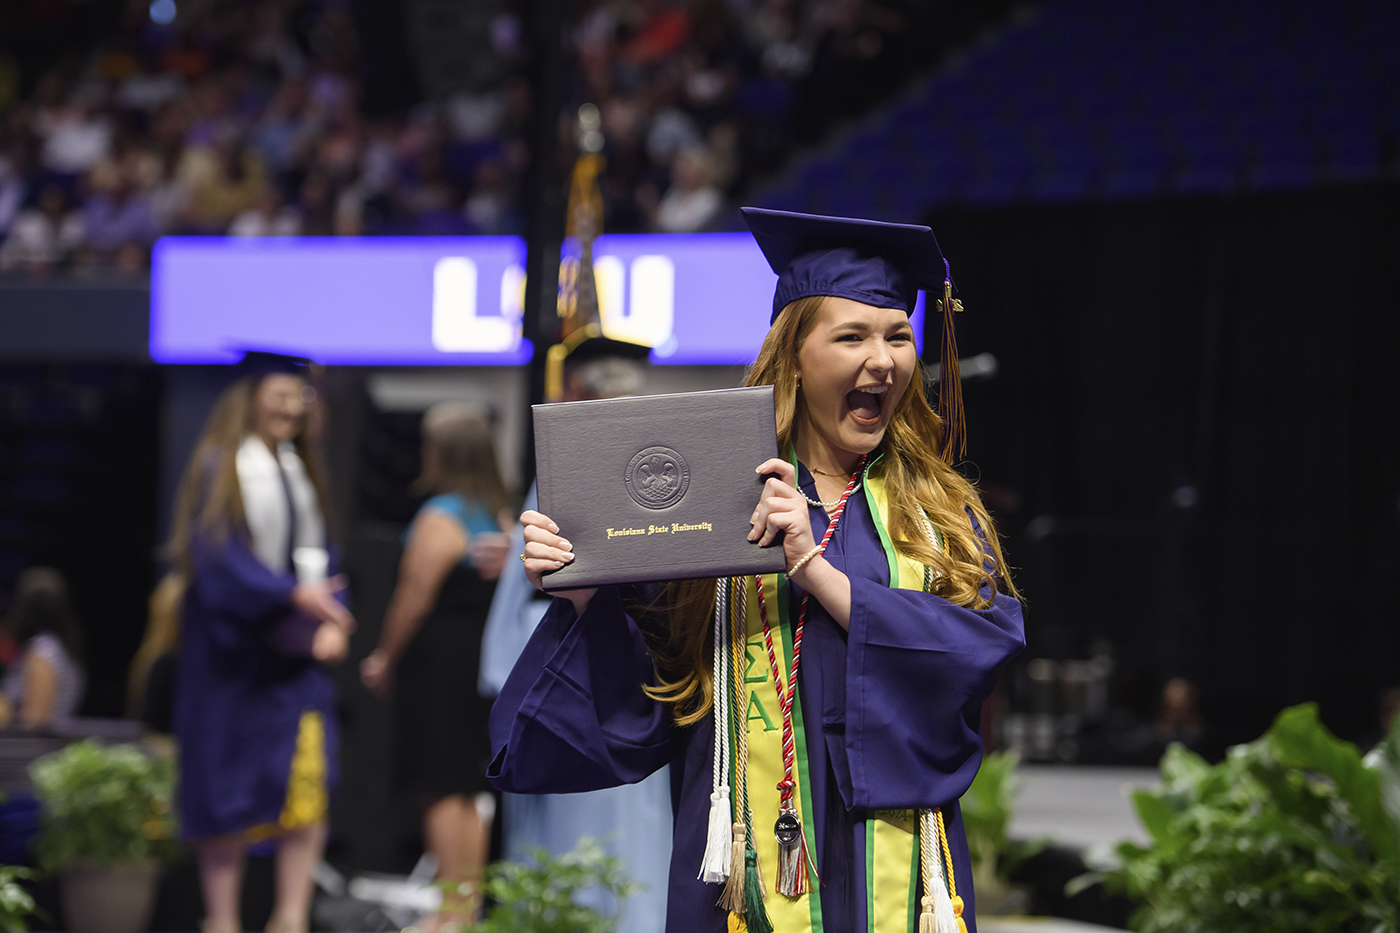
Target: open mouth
point(865, 404)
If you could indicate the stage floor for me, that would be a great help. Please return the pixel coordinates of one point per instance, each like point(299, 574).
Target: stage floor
point(1038, 925)
point(1078, 806)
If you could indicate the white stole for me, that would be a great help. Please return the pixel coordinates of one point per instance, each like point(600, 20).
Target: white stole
point(265, 506)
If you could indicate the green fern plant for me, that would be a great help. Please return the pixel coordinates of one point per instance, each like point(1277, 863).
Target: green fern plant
point(1294, 831)
point(16, 904)
point(540, 896)
point(103, 804)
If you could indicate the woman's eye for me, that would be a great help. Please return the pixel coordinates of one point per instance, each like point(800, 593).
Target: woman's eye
point(849, 338)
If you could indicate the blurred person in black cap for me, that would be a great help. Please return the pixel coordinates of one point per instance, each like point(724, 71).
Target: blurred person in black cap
point(262, 614)
point(632, 821)
point(817, 782)
point(431, 643)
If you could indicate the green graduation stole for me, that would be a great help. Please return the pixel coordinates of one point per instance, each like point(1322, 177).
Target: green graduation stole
point(741, 851)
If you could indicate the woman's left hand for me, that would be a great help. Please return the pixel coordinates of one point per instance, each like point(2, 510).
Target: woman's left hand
point(782, 508)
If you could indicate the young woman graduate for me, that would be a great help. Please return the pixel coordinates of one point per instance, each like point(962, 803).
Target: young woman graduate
point(254, 708)
point(822, 723)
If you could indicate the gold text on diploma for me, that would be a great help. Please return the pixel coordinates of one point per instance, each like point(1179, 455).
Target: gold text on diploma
point(673, 528)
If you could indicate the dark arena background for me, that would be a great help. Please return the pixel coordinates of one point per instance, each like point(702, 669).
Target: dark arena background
point(1175, 229)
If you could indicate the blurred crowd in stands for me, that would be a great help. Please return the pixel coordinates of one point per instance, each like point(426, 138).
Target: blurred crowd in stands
point(245, 118)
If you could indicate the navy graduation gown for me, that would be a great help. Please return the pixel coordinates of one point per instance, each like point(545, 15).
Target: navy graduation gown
point(243, 681)
point(890, 711)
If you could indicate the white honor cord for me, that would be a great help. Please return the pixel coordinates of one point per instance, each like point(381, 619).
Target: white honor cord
point(721, 688)
point(937, 915)
point(715, 864)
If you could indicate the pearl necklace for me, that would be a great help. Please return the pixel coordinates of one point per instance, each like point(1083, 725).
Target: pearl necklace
point(817, 503)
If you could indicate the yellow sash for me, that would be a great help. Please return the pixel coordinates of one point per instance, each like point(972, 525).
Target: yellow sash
point(891, 836)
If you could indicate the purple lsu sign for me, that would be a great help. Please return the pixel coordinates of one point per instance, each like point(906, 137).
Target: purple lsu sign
point(696, 299)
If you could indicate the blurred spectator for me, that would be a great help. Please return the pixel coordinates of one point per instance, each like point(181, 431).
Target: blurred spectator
point(43, 236)
point(285, 133)
point(269, 217)
point(223, 181)
point(150, 689)
point(208, 113)
point(118, 223)
point(1386, 711)
point(1179, 714)
point(45, 685)
point(75, 137)
point(692, 203)
point(488, 207)
point(14, 184)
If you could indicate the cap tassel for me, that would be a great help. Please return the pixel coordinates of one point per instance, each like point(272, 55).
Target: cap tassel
point(950, 403)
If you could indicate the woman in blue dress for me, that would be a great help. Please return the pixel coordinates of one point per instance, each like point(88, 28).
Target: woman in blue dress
point(430, 647)
point(254, 707)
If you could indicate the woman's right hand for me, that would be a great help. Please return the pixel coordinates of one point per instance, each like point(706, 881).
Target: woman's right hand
point(546, 550)
point(330, 644)
point(318, 601)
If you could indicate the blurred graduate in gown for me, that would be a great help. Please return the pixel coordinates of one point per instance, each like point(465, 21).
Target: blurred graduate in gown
point(262, 615)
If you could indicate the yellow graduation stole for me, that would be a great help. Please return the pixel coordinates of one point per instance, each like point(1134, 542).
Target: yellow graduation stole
point(895, 861)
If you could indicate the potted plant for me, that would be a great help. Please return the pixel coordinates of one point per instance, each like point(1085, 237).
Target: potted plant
point(16, 904)
point(986, 811)
point(1294, 831)
point(106, 822)
point(542, 897)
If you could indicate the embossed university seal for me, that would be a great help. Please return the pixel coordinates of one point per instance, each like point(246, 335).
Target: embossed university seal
point(657, 478)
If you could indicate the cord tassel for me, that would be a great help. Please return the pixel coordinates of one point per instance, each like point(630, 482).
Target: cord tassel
point(950, 403)
point(755, 914)
point(714, 865)
point(718, 852)
point(957, 912)
point(792, 866)
point(939, 914)
point(732, 897)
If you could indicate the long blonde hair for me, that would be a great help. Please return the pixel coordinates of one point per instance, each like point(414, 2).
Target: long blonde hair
point(210, 500)
point(967, 573)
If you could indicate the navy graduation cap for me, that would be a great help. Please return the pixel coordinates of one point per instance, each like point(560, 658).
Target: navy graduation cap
point(876, 263)
point(260, 363)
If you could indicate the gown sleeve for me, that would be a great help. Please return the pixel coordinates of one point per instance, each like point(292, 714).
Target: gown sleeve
point(918, 668)
point(572, 715)
point(232, 581)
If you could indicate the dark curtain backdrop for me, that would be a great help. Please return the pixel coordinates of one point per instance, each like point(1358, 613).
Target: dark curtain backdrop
point(1192, 441)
